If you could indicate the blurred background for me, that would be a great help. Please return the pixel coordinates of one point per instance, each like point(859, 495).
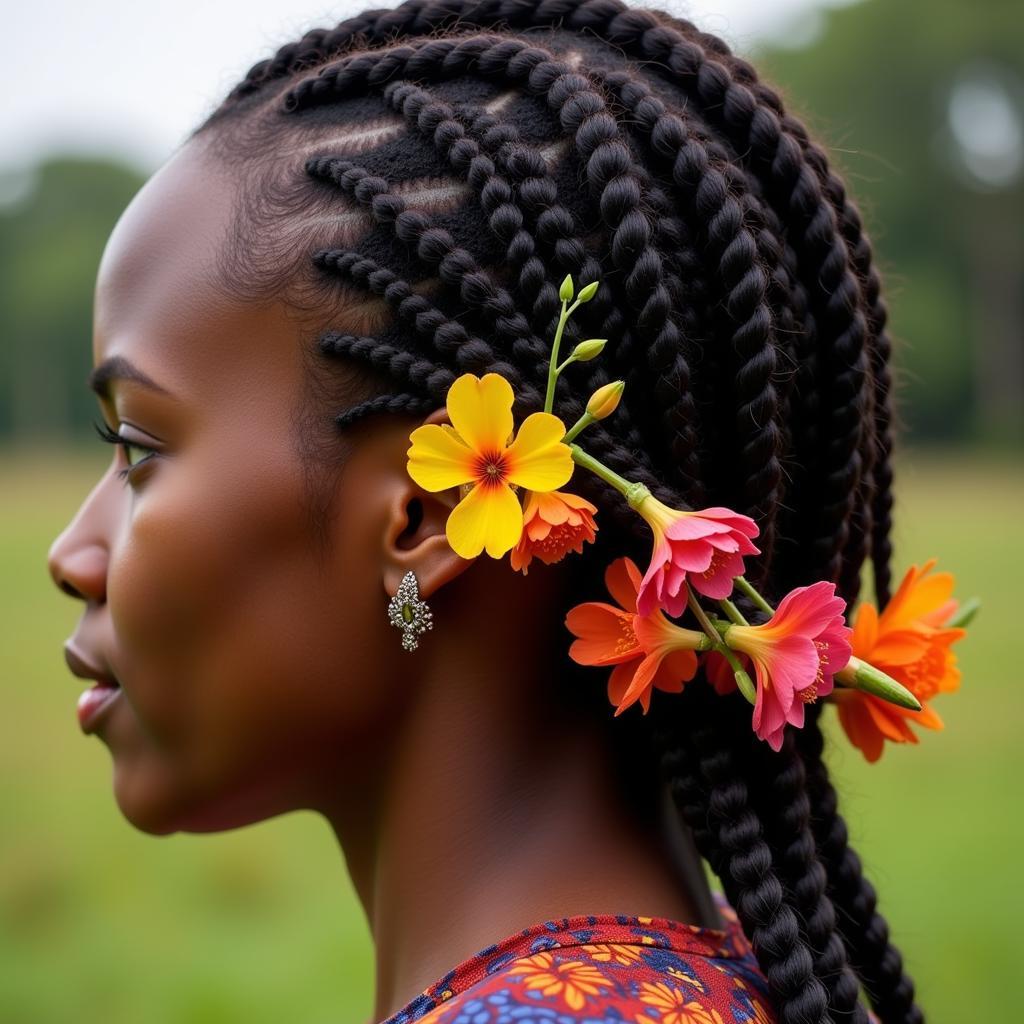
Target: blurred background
point(921, 106)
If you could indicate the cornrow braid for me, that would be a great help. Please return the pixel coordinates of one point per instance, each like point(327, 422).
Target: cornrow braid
point(742, 306)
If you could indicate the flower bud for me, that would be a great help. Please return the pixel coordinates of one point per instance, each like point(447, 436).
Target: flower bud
point(587, 350)
point(860, 675)
point(565, 291)
point(605, 400)
point(587, 293)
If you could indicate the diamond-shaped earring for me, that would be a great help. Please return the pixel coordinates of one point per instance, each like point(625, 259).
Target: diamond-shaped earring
point(409, 613)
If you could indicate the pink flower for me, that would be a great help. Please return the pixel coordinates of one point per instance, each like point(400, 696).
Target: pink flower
point(705, 547)
point(795, 653)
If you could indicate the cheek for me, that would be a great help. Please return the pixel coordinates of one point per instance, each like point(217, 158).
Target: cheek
point(239, 647)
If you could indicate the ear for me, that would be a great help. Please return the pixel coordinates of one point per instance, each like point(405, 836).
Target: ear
point(414, 532)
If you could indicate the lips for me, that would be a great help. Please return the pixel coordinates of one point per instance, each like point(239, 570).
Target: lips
point(94, 703)
point(101, 696)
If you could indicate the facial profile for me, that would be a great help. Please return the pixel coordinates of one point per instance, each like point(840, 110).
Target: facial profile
point(254, 665)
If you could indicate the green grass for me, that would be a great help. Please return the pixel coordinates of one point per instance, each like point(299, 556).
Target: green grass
point(100, 922)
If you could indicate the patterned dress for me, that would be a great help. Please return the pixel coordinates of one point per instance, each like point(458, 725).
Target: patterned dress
point(604, 968)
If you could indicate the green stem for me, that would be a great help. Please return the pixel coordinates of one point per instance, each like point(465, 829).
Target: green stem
point(620, 483)
point(754, 596)
point(743, 681)
point(553, 368)
point(584, 421)
point(735, 615)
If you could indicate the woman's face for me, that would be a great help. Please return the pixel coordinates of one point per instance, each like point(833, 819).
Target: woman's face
point(255, 667)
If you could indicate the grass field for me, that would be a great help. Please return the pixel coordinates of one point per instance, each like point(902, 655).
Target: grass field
point(99, 922)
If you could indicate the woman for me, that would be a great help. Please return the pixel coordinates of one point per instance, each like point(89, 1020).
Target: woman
point(372, 212)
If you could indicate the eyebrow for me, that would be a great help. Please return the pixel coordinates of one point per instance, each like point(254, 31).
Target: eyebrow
point(119, 368)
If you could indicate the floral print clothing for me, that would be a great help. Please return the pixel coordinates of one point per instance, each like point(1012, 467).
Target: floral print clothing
point(605, 969)
point(602, 968)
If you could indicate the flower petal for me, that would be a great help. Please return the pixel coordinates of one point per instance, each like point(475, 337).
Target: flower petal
point(490, 517)
point(604, 634)
point(480, 409)
point(537, 458)
point(622, 579)
point(438, 459)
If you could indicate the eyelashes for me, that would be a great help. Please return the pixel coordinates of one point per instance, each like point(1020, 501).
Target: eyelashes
point(106, 434)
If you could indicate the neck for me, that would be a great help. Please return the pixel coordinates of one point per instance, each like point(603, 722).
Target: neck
point(496, 814)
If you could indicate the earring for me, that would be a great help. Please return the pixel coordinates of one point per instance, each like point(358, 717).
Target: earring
point(409, 613)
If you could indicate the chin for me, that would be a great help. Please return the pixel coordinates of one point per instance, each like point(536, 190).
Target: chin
point(155, 811)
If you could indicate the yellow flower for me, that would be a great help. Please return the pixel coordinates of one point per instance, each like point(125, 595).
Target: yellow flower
point(478, 449)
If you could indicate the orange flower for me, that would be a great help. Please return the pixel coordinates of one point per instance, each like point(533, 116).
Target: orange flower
point(573, 980)
point(648, 651)
point(909, 642)
point(673, 1006)
point(554, 523)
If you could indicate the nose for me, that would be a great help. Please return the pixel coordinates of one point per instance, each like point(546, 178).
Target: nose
point(78, 557)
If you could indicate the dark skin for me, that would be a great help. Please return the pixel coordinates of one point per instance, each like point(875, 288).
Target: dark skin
point(259, 672)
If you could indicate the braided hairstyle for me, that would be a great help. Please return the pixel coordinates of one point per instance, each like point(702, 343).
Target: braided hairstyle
point(417, 181)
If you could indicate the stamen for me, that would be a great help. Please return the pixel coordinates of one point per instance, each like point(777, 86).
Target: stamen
point(626, 641)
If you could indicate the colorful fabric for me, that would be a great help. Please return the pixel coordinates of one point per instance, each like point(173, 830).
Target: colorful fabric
point(605, 969)
point(602, 968)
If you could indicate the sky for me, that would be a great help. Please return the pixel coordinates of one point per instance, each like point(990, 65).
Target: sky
point(92, 78)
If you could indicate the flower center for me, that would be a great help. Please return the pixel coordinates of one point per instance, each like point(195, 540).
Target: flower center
point(491, 469)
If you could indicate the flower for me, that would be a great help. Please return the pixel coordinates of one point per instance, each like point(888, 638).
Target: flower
point(554, 523)
point(648, 651)
point(795, 653)
point(909, 642)
point(478, 449)
point(573, 980)
point(674, 1005)
point(705, 547)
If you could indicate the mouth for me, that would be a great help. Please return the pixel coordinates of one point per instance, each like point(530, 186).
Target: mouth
point(94, 703)
point(97, 700)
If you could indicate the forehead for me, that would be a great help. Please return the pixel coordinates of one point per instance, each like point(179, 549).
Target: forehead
point(158, 301)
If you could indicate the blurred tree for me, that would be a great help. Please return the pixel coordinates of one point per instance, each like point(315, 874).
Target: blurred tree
point(921, 106)
point(51, 240)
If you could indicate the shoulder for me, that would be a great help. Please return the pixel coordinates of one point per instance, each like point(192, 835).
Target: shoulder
point(600, 982)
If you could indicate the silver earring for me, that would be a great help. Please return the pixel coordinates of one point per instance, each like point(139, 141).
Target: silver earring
point(409, 613)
